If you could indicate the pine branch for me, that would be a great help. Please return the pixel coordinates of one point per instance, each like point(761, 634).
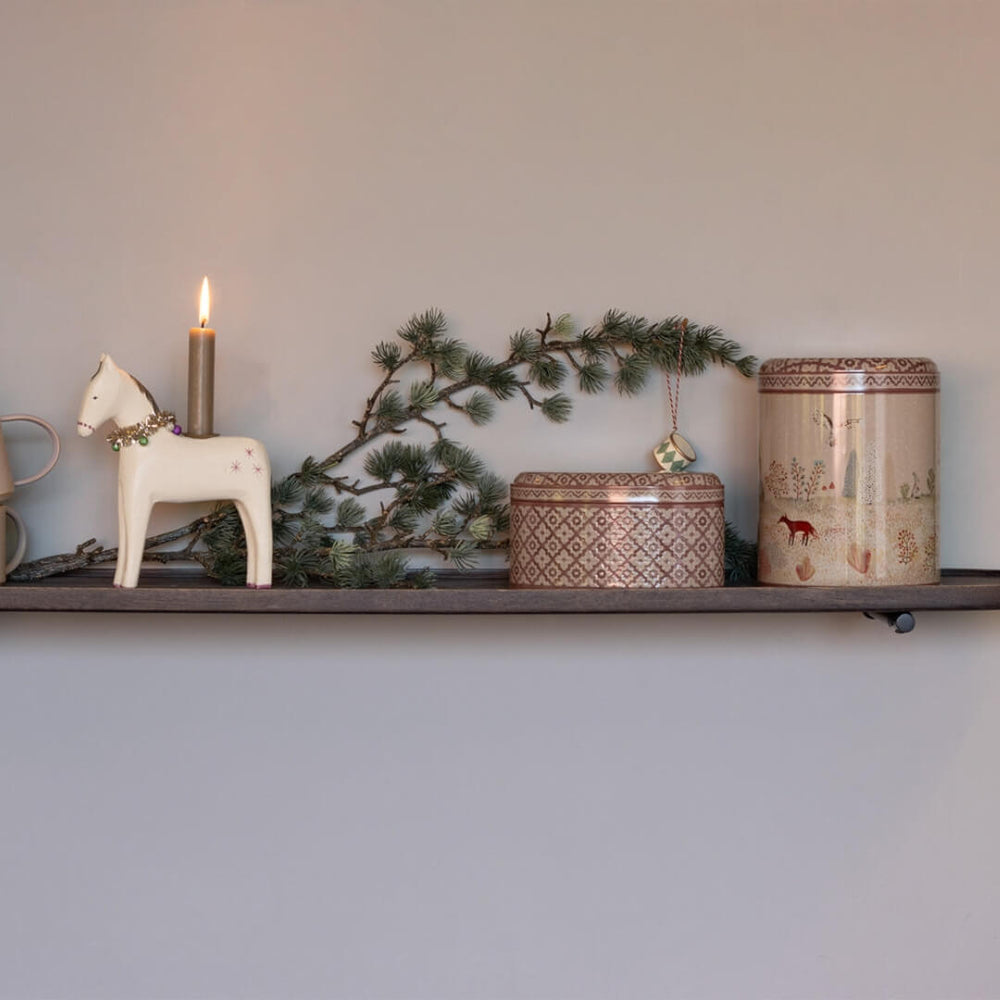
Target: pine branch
point(740, 558)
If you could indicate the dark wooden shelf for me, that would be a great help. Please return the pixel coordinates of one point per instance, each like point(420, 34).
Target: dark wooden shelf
point(486, 593)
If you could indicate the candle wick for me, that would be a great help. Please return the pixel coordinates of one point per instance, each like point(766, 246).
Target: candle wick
point(203, 322)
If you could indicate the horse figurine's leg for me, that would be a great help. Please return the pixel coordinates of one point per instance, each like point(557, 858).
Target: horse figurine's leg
point(122, 536)
point(264, 543)
point(241, 509)
point(256, 517)
point(136, 510)
point(251, 538)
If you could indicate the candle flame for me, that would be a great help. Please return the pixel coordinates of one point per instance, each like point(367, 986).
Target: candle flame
point(206, 299)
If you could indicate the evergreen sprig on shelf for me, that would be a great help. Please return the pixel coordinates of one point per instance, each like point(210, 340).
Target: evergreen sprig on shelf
point(436, 497)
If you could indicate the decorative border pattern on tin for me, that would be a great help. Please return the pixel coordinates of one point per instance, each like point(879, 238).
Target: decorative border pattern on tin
point(639, 502)
point(849, 375)
point(612, 487)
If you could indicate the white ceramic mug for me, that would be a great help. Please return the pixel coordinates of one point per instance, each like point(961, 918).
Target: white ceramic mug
point(7, 480)
point(6, 565)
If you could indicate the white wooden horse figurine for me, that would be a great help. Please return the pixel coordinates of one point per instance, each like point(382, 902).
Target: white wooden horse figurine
point(156, 463)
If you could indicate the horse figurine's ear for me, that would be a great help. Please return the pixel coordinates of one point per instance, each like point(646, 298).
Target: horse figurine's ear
point(101, 364)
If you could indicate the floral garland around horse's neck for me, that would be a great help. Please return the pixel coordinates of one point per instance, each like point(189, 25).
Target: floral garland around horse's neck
point(141, 432)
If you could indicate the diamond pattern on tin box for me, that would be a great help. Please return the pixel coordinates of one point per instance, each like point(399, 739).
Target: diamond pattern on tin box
point(631, 545)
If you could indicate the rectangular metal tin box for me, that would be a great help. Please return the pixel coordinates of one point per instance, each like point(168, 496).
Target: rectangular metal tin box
point(617, 529)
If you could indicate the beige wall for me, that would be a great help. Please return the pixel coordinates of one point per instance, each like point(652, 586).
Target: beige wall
point(702, 806)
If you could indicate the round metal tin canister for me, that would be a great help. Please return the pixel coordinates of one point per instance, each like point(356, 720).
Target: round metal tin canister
point(848, 471)
point(617, 529)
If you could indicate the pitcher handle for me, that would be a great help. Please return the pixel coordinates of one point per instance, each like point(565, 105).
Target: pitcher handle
point(22, 540)
point(51, 431)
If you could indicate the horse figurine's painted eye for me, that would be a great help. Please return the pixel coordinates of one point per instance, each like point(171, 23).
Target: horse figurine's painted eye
point(93, 397)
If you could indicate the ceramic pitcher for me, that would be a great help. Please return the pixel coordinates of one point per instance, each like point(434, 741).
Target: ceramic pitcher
point(7, 480)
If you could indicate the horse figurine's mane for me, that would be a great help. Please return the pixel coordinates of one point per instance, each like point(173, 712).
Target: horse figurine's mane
point(145, 392)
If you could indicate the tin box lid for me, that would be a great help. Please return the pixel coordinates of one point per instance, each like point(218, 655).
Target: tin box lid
point(618, 487)
point(849, 375)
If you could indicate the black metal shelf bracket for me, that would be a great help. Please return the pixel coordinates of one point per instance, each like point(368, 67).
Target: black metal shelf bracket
point(900, 622)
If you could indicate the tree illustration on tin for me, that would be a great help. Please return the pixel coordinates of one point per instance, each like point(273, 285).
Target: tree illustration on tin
point(850, 490)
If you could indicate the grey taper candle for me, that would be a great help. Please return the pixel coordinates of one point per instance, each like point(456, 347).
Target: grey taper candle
point(201, 382)
point(201, 373)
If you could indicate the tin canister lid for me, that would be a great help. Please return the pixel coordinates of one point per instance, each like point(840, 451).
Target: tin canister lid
point(618, 487)
point(849, 375)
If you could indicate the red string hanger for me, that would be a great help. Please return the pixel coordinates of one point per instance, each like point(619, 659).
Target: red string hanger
point(675, 453)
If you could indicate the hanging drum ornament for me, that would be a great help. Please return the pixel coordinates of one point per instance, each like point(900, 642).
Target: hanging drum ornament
point(848, 471)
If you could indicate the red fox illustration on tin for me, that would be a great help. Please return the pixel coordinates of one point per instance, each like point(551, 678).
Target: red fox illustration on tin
point(798, 527)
